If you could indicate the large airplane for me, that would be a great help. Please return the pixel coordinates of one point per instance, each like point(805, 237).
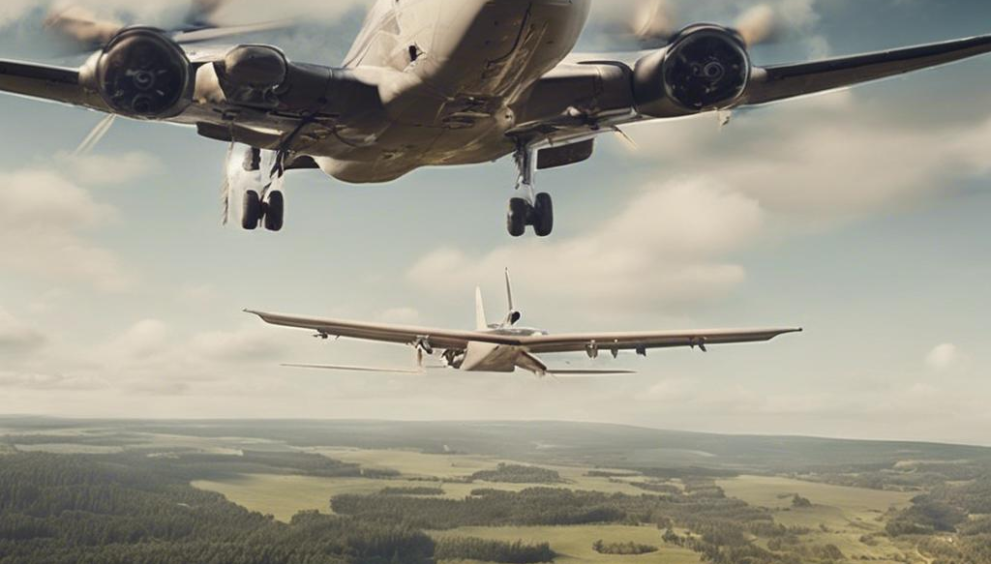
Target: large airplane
point(505, 347)
point(430, 83)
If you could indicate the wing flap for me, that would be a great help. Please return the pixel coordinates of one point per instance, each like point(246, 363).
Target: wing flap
point(55, 84)
point(776, 83)
point(398, 334)
point(644, 341)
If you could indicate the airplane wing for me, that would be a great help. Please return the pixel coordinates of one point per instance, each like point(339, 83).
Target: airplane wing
point(54, 84)
point(384, 333)
point(776, 83)
point(575, 102)
point(641, 342)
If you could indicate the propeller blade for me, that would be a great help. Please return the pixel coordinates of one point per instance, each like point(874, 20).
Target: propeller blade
point(759, 25)
point(653, 23)
point(201, 12)
point(96, 135)
point(82, 27)
point(88, 32)
point(207, 34)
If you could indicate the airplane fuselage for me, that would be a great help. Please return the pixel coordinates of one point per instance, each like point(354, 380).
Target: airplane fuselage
point(458, 71)
point(488, 357)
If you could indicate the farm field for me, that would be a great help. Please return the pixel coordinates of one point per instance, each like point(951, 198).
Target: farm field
point(480, 491)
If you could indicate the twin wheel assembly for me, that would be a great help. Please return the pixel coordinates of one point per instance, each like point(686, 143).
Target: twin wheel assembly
point(530, 209)
point(539, 215)
point(269, 212)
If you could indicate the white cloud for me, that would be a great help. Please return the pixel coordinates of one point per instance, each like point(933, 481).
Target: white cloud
point(145, 339)
point(665, 249)
point(250, 343)
point(37, 381)
point(41, 223)
point(18, 337)
point(944, 357)
point(12, 10)
point(111, 169)
point(820, 160)
point(400, 316)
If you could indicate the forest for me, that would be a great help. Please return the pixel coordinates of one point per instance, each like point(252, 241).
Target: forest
point(138, 505)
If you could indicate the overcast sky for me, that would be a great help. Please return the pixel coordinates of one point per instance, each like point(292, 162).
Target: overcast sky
point(861, 215)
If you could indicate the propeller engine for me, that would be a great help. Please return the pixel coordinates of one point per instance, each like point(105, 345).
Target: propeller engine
point(143, 73)
point(705, 67)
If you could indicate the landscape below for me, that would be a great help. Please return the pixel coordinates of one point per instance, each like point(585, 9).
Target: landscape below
point(306, 492)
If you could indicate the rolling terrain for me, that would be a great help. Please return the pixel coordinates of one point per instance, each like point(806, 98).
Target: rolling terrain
point(475, 492)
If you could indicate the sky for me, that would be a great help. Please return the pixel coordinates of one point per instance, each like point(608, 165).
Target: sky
point(859, 215)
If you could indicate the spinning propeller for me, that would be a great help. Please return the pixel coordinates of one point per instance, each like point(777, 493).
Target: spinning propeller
point(86, 32)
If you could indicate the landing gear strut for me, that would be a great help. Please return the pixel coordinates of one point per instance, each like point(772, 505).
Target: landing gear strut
point(529, 208)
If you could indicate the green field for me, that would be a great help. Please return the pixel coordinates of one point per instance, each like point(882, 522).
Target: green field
point(283, 468)
point(283, 496)
point(840, 515)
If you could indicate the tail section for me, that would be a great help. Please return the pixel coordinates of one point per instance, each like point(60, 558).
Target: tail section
point(514, 316)
point(480, 322)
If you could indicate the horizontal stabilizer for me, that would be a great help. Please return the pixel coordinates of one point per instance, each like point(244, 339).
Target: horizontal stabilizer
point(361, 369)
point(590, 373)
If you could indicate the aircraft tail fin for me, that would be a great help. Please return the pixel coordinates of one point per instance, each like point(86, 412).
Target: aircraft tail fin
point(514, 316)
point(480, 322)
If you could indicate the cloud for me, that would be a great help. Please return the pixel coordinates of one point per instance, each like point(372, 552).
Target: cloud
point(37, 381)
point(42, 223)
point(665, 249)
point(779, 20)
point(17, 337)
point(400, 316)
point(246, 344)
point(144, 340)
point(943, 357)
point(820, 160)
point(110, 169)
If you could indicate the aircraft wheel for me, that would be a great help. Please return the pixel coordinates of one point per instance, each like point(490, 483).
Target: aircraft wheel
point(516, 219)
point(251, 210)
point(543, 215)
point(275, 211)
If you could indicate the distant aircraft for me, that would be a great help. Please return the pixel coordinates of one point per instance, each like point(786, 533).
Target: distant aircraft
point(503, 347)
point(431, 83)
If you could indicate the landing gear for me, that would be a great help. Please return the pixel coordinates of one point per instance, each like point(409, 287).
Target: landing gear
point(516, 219)
point(529, 208)
point(270, 213)
point(251, 210)
point(258, 176)
point(543, 215)
point(275, 211)
point(539, 215)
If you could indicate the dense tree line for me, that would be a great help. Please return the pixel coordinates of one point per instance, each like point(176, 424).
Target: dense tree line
point(84, 509)
point(623, 548)
point(962, 510)
point(413, 491)
point(518, 474)
point(461, 548)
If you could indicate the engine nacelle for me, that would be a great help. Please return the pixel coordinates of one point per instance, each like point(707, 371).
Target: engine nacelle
point(261, 76)
point(144, 74)
point(706, 67)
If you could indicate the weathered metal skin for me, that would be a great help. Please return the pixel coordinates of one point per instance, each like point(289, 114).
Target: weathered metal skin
point(461, 79)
